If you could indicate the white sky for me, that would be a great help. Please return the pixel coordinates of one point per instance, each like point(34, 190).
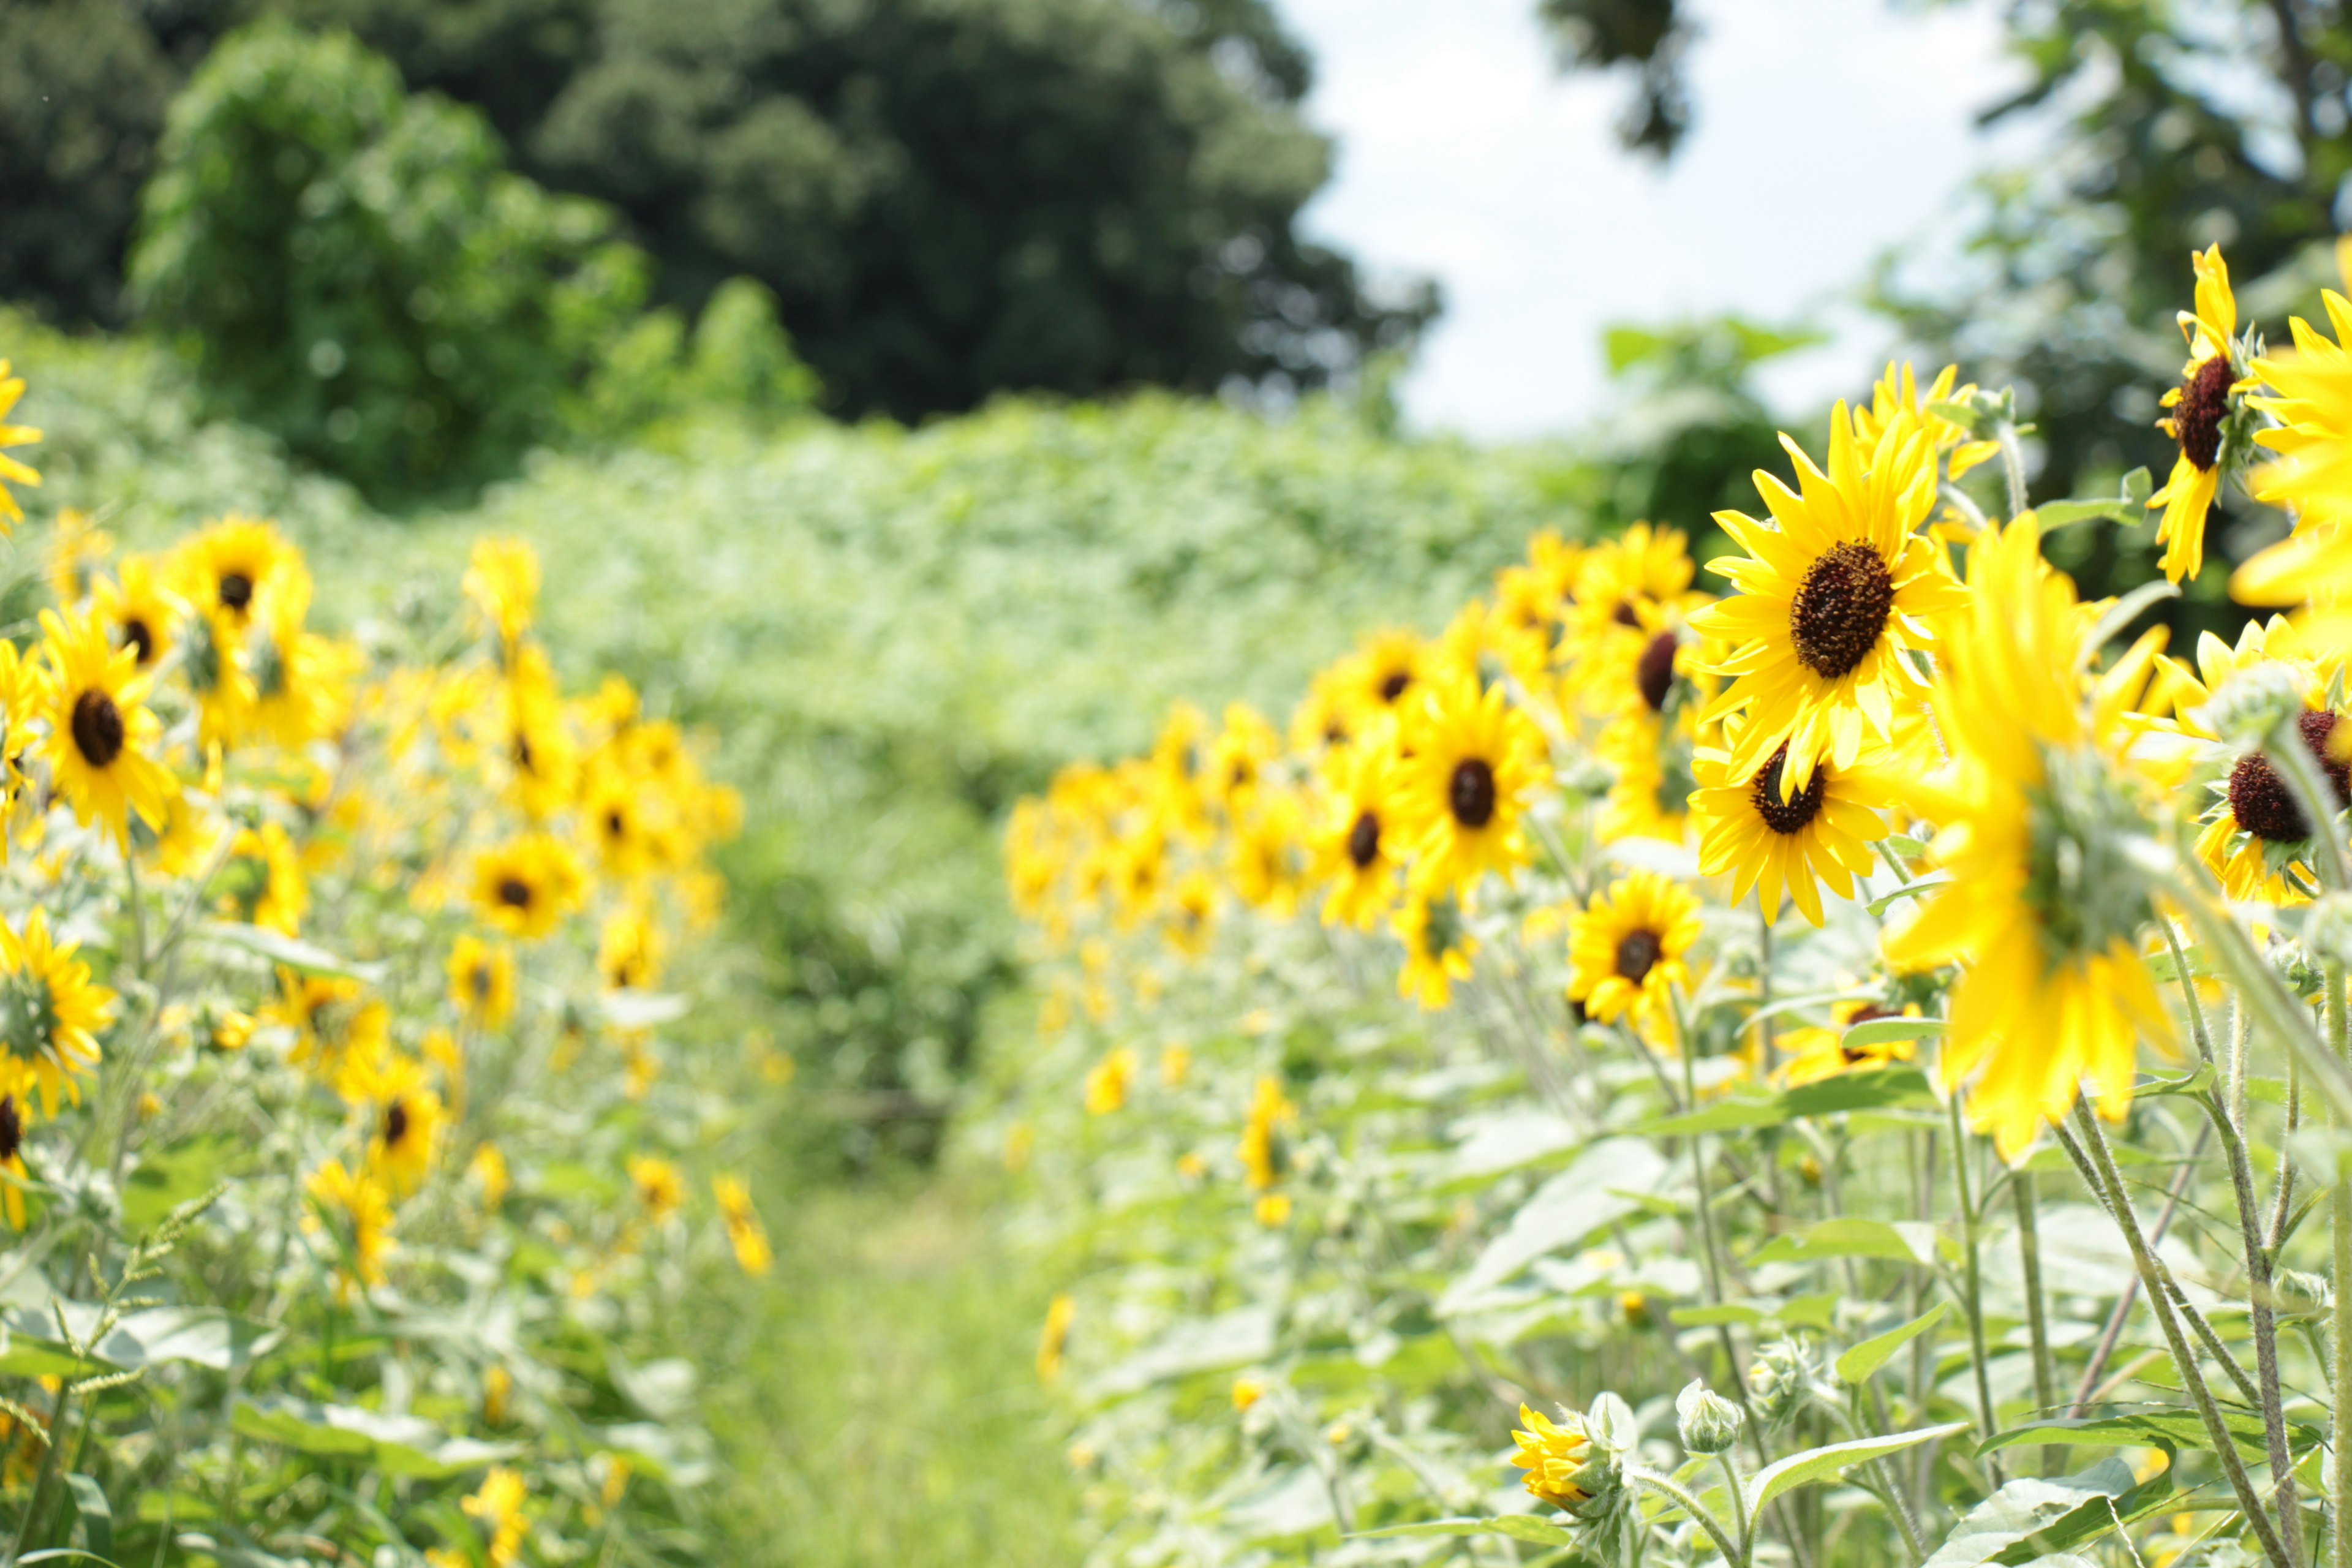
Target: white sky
point(1827, 130)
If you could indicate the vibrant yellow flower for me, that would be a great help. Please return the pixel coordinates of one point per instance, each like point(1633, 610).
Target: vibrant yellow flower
point(1262, 1149)
point(1627, 947)
point(12, 387)
point(1473, 762)
point(1624, 589)
point(1191, 918)
point(1835, 593)
point(489, 1169)
point(100, 734)
point(1651, 795)
point(356, 1202)
point(1272, 1208)
point(190, 835)
point(1897, 393)
point(278, 892)
point(629, 819)
point(1438, 946)
point(1268, 861)
point(301, 681)
point(629, 951)
point(2200, 407)
point(502, 581)
point(744, 1233)
point(1106, 1081)
point(1816, 1052)
point(1248, 1391)
point(498, 1507)
point(527, 885)
point(2310, 392)
point(1555, 1456)
point(404, 1119)
point(1384, 667)
point(660, 1188)
point(335, 1022)
point(1240, 755)
point(2046, 904)
point(223, 570)
point(482, 980)
point(1055, 1341)
point(50, 1014)
point(535, 745)
point(1822, 834)
point(1360, 852)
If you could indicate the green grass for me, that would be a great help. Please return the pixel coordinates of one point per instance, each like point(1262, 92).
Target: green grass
point(883, 1408)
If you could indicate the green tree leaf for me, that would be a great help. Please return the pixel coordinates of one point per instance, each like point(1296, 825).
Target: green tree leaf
point(1817, 1464)
point(1860, 1360)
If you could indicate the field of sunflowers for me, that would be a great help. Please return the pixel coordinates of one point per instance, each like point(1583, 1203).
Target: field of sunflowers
point(346, 1151)
point(1852, 1071)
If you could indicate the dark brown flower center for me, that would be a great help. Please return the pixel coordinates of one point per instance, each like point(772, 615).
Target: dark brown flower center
point(2261, 801)
point(479, 981)
point(12, 1128)
point(96, 728)
point(1790, 815)
point(1470, 792)
point(615, 825)
point(235, 590)
point(1625, 617)
point(514, 892)
point(1654, 672)
point(1637, 954)
point(139, 638)
point(1364, 840)
point(2204, 403)
point(1841, 609)
point(395, 1123)
point(1392, 684)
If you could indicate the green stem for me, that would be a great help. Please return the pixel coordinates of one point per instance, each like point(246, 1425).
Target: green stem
point(2029, 1251)
point(2340, 1229)
point(2012, 463)
point(1684, 1498)
point(1974, 1301)
point(1738, 1502)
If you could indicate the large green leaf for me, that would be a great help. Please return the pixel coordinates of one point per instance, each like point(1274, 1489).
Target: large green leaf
point(2172, 1427)
point(1602, 1185)
point(394, 1445)
point(1904, 1241)
point(1859, 1362)
point(1817, 1464)
point(2029, 1518)
point(165, 1178)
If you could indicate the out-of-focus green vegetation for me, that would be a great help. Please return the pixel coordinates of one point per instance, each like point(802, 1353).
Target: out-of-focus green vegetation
point(949, 197)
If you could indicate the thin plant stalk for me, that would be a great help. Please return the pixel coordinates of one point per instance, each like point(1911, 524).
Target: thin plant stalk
point(1975, 1299)
point(2029, 1251)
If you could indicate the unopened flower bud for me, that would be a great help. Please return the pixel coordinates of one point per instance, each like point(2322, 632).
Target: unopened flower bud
point(1777, 1381)
point(2251, 704)
point(1707, 1422)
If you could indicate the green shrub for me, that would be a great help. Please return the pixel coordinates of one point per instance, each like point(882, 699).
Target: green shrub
point(355, 270)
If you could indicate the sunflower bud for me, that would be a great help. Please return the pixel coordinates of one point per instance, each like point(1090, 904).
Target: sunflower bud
point(1566, 1468)
point(2252, 703)
point(2327, 927)
point(1778, 1380)
point(1707, 1422)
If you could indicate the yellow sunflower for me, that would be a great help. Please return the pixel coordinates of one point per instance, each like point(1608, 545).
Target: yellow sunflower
point(1191, 920)
point(1384, 669)
point(13, 1174)
point(482, 980)
point(100, 733)
point(1360, 852)
point(498, 1508)
point(1438, 946)
point(1474, 760)
point(2200, 408)
point(1262, 1151)
point(2046, 904)
point(745, 1233)
point(1651, 796)
point(138, 612)
point(278, 894)
point(502, 581)
point(223, 570)
point(527, 885)
point(2310, 392)
point(405, 1120)
point(1815, 1052)
point(12, 387)
point(1105, 1090)
point(334, 1021)
point(356, 1203)
point(1562, 1468)
point(302, 680)
point(78, 547)
point(50, 1014)
point(1626, 948)
point(1268, 865)
point(1897, 392)
point(1822, 834)
point(629, 819)
point(660, 1188)
point(1835, 593)
point(629, 951)
point(1240, 755)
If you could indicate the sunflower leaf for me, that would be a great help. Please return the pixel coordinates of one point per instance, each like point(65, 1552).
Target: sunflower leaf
point(1909, 890)
point(1817, 1464)
point(1879, 1031)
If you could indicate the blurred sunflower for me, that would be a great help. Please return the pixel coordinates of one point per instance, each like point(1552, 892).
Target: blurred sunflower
point(404, 1117)
point(1767, 841)
point(502, 582)
point(660, 1188)
point(50, 1014)
point(2046, 904)
point(1189, 923)
point(100, 733)
point(277, 893)
point(2200, 414)
point(139, 613)
point(78, 547)
point(629, 951)
point(498, 1508)
point(12, 470)
point(1472, 759)
point(1360, 852)
point(13, 1174)
point(482, 980)
point(1262, 1151)
point(1651, 795)
point(1267, 863)
point(1386, 667)
point(2309, 391)
point(1832, 601)
point(1438, 946)
point(1105, 1090)
point(223, 570)
point(527, 885)
point(745, 1233)
point(334, 1021)
point(1626, 947)
point(1239, 757)
point(357, 1203)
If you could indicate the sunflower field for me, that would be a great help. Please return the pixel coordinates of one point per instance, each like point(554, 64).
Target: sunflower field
point(347, 1152)
point(1851, 1071)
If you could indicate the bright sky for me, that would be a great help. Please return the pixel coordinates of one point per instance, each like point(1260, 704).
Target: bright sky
point(1827, 130)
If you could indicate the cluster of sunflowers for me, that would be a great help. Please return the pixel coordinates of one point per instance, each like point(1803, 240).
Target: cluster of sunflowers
point(1770, 952)
point(335, 1140)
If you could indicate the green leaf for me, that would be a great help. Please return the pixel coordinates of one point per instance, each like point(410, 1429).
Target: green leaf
point(1904, 1242)
point(166, 1178)
point(2173, 1427)
point(394, 1445)
point(1817, 1464)
point(1909, 890)
point(1730, 1312)
point(1881, 1031)
point(92, 1510)
point(1859, 1362)
point(1875, 1088)
point(2030, 1518)
point(2121, 614)
point(2130, 508)
point(291, 951)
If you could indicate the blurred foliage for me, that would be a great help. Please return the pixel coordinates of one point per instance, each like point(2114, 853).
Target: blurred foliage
point(355, 270)
point(948, 198)
point(1650, 37)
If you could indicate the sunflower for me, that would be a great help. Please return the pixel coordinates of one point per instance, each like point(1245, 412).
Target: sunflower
point(13, 1174)
point(482, 980)
point(1833, 594)
point(2310, 392)
point(628, 820)
point(49, 1015)
point(629, 951)
point(12, 387)
point(536, 745)
point(1325, 720)
point(745, 1233)
point(405, 1120)
point(278, 894)
point(1263, 1153)
point(223, 570)
point(2045, 902)
point(1191, 921)
point(1651, 795)
point(1240, 755)
point(1474, 759)
point(360, 1204)
point(1816, 1052)
point(527, 885)
point(335, 1022)
point(1438, 946)
point(2199, 418)
point(498, 1508)
point(1053, 1341)
point(1267, 864)
point(1383, 668)
point(1106, 1082)
point(301, 680)
point(99, 731)
point(77, 546)
point(660, 1188)
point(1627, 947)
point(1897, 392)
point(1563, 1467)
point(502, 581)
point(1360, 851)
point(1180, 760)
point(1822, 834)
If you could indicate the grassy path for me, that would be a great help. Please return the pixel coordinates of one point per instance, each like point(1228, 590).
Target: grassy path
point(887, 1413)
